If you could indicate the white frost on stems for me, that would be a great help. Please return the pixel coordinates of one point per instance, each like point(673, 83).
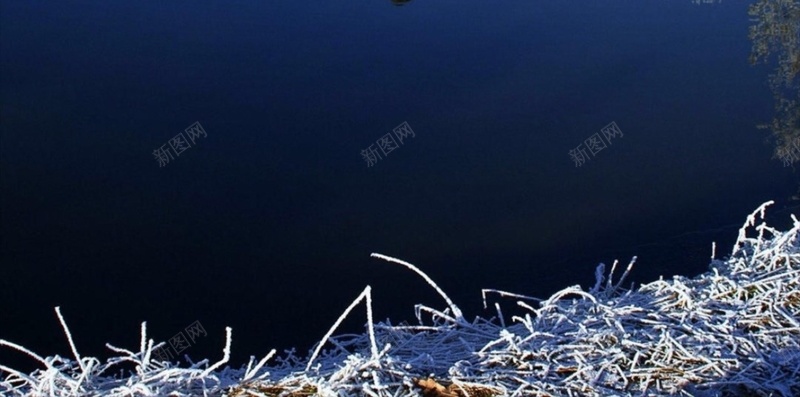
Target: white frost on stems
point(505, 294)
point(733, 330)
point(69, 338)
point(366, 294)
point(456, 311)
point(251, 371)
point(226, 352)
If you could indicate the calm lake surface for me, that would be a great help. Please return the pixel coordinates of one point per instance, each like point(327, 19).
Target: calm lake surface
point(119, 208)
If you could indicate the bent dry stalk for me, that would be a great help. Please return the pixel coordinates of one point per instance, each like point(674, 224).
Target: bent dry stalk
point(733, 330)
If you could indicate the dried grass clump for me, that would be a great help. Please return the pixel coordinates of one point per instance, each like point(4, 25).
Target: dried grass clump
point(734, 330)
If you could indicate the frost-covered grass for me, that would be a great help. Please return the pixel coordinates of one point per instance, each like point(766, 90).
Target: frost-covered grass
point(734, 330)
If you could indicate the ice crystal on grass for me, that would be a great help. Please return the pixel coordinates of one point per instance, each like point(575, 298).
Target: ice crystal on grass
point(734, 330)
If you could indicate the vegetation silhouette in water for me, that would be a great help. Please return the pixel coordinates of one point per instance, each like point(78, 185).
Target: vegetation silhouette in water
point(776, 34)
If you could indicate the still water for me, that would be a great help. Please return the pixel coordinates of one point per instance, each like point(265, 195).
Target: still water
point(235, 163)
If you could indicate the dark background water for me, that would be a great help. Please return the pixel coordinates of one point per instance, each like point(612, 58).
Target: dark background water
point(266, 224)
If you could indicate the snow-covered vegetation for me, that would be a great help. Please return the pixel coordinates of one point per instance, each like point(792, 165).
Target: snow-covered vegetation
point(734, 330)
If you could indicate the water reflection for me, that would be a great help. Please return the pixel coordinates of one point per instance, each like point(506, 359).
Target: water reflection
point(775, 28)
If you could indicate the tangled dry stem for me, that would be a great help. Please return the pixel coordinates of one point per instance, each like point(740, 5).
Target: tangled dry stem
point(733, 330)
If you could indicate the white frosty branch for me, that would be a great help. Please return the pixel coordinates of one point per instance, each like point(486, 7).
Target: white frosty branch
point(734, 329)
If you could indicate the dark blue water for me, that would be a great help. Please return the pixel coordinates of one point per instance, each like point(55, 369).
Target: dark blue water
point(266, 223)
